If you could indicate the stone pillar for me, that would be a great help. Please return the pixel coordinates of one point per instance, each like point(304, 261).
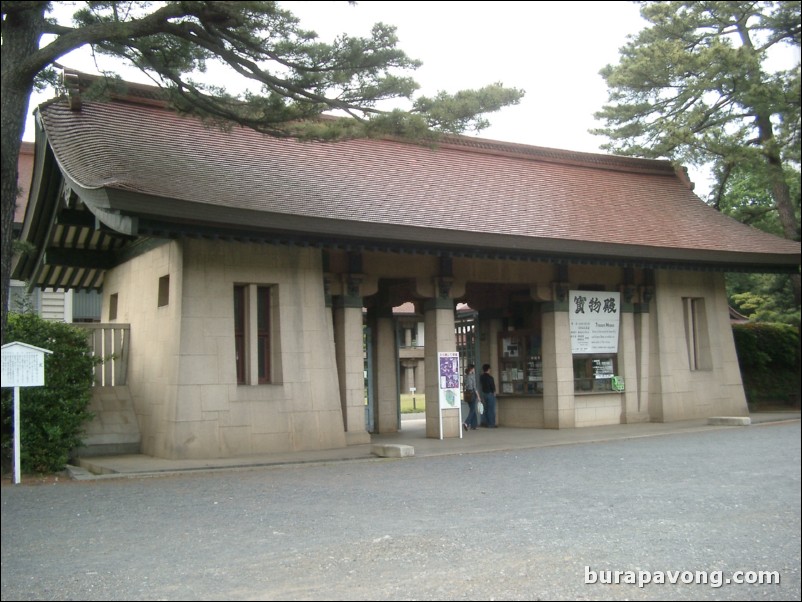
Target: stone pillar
point(644, 344)
point(420, 378)
point(558, 362)
point(489, 328)
point(385, 368)
point(350, 361)
point(440, 336)
point(408, 377)
point(627, 356)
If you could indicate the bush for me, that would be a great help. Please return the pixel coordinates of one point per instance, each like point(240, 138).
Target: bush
point(768, 357)
point(52, 417)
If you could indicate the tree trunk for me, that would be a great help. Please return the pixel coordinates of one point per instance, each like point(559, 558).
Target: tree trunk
point(21, 33)
point(779, 191)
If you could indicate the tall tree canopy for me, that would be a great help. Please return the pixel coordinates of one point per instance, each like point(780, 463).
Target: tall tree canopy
point(696, 86)
point(299, 75)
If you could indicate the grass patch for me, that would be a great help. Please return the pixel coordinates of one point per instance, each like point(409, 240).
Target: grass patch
point(408, 406)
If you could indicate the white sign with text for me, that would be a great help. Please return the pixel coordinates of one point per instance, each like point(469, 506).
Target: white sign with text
point(594, 321)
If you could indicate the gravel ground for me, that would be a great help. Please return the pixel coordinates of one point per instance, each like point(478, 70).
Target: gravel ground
point(524, 525)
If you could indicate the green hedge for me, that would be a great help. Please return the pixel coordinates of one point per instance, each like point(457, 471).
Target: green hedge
point(52, 418)
point(768, 357)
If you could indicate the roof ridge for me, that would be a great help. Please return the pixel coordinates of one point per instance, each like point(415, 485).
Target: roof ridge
point(78, 82)
point(556, 155)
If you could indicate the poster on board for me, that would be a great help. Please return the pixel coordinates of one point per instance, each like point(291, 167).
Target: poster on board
point(448, 390)
point(594, 321)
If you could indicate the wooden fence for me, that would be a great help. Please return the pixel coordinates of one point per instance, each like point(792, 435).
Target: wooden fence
point(111, 343)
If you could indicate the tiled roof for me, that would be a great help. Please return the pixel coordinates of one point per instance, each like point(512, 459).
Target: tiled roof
point(464, 191)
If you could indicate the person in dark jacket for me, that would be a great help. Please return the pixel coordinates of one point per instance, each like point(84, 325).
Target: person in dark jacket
point(488, 386)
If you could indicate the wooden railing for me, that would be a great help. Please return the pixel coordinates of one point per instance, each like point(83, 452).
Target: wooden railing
point(111, 343)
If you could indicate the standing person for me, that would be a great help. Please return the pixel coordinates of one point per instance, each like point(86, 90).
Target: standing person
point(471, 398)
point(488, 386)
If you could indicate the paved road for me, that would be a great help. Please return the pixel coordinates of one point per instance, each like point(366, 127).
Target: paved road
point(524, 524)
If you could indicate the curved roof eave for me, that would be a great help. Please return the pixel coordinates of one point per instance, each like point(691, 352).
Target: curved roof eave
point(168, 218)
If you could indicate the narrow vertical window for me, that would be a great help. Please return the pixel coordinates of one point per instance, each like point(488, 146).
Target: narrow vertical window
point(696, 334)
point(253, 334)
point(263, 332)
point(239, 332)
point(113, 306)
point(164, 290)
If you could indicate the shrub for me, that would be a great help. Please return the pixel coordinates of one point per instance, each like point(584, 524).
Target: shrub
point(767, 354)
point(52, 417)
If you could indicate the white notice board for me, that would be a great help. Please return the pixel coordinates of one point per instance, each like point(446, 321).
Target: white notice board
point(23, 365)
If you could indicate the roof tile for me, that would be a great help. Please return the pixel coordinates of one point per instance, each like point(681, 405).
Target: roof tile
point(464, 184)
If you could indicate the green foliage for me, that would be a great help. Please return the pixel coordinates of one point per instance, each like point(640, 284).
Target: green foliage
point(745, 195)
point(52, 417)
point(763, 297)
point(768, 356)
point(766, 345)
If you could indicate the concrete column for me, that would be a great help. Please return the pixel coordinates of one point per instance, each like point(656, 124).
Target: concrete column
point(440, 336)
point(628, 366)
point(643, 327)
point(420, 377)
point(489, 329)
point(629, 347)
point(350, 366)
point(558, 366)
point(408, 376)
point(385, 368)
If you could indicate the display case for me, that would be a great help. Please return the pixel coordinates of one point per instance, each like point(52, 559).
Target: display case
point(594, 373)
point(520, 363)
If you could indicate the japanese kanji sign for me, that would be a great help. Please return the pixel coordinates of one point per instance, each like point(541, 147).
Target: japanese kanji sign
point(594, 320)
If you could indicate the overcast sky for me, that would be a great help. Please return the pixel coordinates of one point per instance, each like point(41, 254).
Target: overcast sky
point(552, 50)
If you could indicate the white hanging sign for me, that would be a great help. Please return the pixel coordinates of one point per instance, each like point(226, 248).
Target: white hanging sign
point(594, 318)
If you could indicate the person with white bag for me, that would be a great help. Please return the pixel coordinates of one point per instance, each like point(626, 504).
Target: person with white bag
point(471, 398)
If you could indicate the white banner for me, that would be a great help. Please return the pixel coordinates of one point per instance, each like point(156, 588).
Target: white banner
point(594, 320)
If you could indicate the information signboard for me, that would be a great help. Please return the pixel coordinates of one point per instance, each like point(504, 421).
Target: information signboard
point(594, 321)
point(449, 385)
point(21, 365)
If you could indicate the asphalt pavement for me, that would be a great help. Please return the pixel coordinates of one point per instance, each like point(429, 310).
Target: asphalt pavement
point(666, 512)
point(413, 434)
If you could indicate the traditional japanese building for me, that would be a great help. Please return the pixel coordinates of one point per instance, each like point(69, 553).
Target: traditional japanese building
point(240, 266)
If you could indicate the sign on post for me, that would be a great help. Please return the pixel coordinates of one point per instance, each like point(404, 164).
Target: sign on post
point(23, 365)
point(448, 389)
